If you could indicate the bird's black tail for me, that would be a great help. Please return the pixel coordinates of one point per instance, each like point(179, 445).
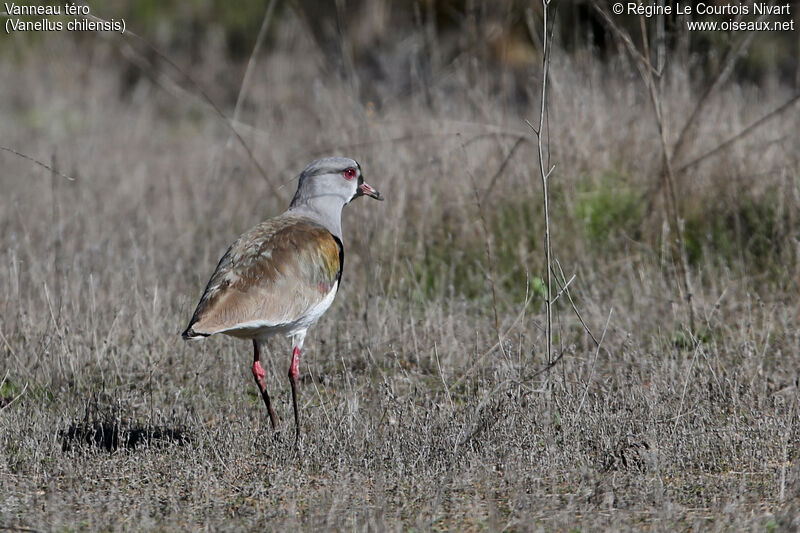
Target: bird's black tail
point(191, 334)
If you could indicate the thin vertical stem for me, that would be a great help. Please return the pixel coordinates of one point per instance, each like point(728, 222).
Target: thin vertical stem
point(670, 197)
point(545, 176)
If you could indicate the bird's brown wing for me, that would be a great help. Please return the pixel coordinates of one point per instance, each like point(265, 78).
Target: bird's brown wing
point(270, 277)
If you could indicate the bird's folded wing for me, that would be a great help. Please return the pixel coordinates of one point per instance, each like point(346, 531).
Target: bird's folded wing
point(271, 276)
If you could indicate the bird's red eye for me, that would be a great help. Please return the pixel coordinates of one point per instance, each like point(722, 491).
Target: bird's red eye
point(350, 173)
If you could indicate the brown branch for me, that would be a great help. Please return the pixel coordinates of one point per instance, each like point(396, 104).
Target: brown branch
point(648, 75)
point(624, 37)
point(503, 166)
point(731, 55)
point(206, 98)
point(744, 132)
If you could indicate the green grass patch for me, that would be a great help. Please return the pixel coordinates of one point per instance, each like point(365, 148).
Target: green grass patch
point(608, 207)
point(749, 231)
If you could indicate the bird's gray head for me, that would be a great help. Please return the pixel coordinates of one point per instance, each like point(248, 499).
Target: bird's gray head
point(326, 186)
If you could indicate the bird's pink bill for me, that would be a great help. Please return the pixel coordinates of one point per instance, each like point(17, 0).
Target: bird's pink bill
point(365, 189)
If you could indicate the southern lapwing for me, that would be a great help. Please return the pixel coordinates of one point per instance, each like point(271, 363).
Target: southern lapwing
point(283, 274)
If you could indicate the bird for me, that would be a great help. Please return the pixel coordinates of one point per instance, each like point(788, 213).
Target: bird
point(279, 277)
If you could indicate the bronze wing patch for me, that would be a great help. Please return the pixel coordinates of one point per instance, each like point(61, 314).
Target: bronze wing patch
point(273, 274)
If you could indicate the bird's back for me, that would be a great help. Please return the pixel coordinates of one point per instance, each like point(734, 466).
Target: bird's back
point(279, 276)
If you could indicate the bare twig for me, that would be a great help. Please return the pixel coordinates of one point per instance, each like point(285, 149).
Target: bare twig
point(34, 160)
point(667, 183)
point(503, 166)
point(15, 398)
point(786, 440)
point(262, 32)
point(15, 356)
point(489, 257)
point(481, 357)
point(546, 40)
point(545, 368)
point(302, 154)
point(731, 55)
point(441, 375)
point(572, 303)
point(594, 361)
point(671, 199)
point(206, 98)
point(686, 381)
point(623, 36)
point(564, 286)
point(744, 132)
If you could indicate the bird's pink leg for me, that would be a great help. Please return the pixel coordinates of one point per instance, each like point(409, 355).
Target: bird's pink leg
point(258, 374)
point(294, 373)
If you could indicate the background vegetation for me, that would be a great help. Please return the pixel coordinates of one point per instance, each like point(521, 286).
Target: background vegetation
point(427, 402)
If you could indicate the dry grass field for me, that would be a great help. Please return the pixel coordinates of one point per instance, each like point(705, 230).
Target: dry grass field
point(426, 399)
